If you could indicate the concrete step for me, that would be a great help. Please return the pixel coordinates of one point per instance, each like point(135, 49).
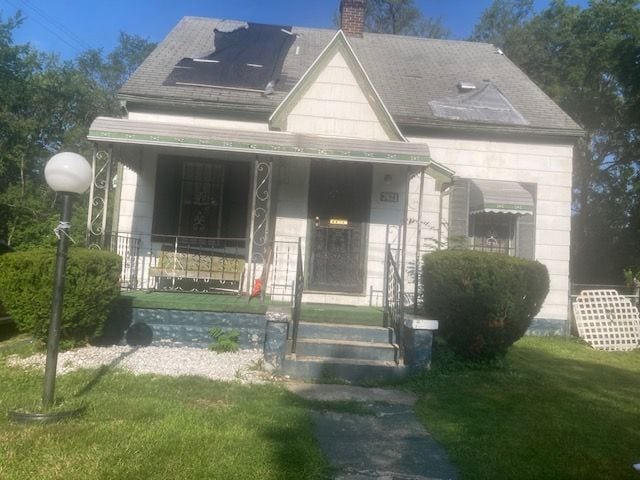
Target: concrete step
point(355, 333)
point(346, 369)
point(320, 347)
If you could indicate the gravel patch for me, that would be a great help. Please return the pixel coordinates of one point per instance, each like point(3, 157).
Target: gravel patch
point(243, 366)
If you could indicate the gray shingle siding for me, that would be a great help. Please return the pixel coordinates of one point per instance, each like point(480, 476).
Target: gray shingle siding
point(408, 73)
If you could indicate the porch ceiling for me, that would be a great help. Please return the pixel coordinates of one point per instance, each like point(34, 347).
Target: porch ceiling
point(124, 131)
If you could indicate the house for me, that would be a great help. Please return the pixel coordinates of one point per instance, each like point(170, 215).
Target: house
point(240, 139)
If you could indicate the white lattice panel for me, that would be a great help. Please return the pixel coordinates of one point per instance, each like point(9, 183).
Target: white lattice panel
point(607, 320)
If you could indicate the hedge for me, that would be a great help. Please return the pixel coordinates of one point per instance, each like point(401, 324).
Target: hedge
point(91, 286)
point(483, 301)
point(4, 248)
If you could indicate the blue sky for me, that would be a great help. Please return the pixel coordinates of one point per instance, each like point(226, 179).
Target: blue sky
point(68, 27)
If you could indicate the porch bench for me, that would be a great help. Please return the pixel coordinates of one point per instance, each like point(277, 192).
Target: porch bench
point(199, 265)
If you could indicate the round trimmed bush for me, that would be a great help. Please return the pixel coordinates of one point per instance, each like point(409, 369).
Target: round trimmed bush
point(483, 301)
point(91, 286)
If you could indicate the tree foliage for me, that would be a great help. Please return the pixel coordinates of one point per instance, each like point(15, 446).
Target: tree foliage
point(47, 105)
point(588, 61)
point(499, 18)
point(111, 71)
point(399, 17)
point(402, 17)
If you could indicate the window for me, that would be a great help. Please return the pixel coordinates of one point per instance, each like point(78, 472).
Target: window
point(492, 216)
point(201, 198)
point(492, 232)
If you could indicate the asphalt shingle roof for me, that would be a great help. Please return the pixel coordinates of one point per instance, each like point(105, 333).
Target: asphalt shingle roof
point(408, 73)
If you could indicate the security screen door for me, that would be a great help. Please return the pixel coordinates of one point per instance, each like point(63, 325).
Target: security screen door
point(339, 204)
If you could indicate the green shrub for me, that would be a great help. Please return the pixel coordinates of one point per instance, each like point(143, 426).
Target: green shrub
point(91, 286)
point(224, 341)
point(484, 301)
point(4, 248)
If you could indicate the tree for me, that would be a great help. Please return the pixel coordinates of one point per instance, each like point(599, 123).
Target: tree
point(588, 61)
point(501, 17)
point(17, 66)
point(110, 72)
point(47, 105)
point(43, 104)
point(400, 17)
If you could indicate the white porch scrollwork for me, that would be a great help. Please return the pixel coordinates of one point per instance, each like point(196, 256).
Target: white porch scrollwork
point(97, 216)
point(259, 233)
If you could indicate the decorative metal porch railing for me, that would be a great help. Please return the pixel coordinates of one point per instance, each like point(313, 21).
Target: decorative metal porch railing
point(282, 271)
point(297, 302)
point(181, 263)
point(199, 264)
point(393, 298)
point(128, 248)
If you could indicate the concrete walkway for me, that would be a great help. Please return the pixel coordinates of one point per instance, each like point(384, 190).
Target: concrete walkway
point(391, 444)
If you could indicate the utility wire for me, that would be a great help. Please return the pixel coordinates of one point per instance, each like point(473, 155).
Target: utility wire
point(57, 23)
point(76, 46)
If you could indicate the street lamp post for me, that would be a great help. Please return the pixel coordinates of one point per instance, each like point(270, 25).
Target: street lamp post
point(67, 173)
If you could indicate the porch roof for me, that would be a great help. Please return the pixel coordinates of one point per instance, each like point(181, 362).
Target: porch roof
point(125, 131)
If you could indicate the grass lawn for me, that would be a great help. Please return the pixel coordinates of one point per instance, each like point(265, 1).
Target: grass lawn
point(311, 312)
point(555, 409)
point(192, 301)
point(140, 427)
point(343, 314)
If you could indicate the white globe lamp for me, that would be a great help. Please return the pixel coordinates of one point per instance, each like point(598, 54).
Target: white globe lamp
point(68, 172)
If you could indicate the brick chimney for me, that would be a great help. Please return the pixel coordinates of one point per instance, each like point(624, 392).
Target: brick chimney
point(352, 17)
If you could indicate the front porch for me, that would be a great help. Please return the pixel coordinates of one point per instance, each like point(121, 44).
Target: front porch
point(299, 219)
point(340, 342)
point(217, 209)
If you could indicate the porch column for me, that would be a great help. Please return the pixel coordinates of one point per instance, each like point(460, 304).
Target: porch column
point(99, 197)
point(259, 234)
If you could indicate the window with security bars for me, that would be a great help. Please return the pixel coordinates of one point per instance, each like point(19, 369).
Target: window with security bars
point(508, 233)
point(201, 197)
point(493, 232)
point(201, 201)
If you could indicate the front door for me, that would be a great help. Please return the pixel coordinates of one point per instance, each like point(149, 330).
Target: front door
point(339, 203)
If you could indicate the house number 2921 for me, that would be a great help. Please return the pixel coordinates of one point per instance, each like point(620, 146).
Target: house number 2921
point(389, 197)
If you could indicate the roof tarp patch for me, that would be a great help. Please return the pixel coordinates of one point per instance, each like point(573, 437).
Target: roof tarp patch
point(249, 57)
point(493, 196)
point(487, 105)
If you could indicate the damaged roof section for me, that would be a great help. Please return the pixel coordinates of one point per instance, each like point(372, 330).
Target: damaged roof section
point(245, 56)
point(407, 72)
point(486, 105)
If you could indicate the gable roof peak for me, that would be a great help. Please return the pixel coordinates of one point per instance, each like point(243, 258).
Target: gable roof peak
point(338, 44)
